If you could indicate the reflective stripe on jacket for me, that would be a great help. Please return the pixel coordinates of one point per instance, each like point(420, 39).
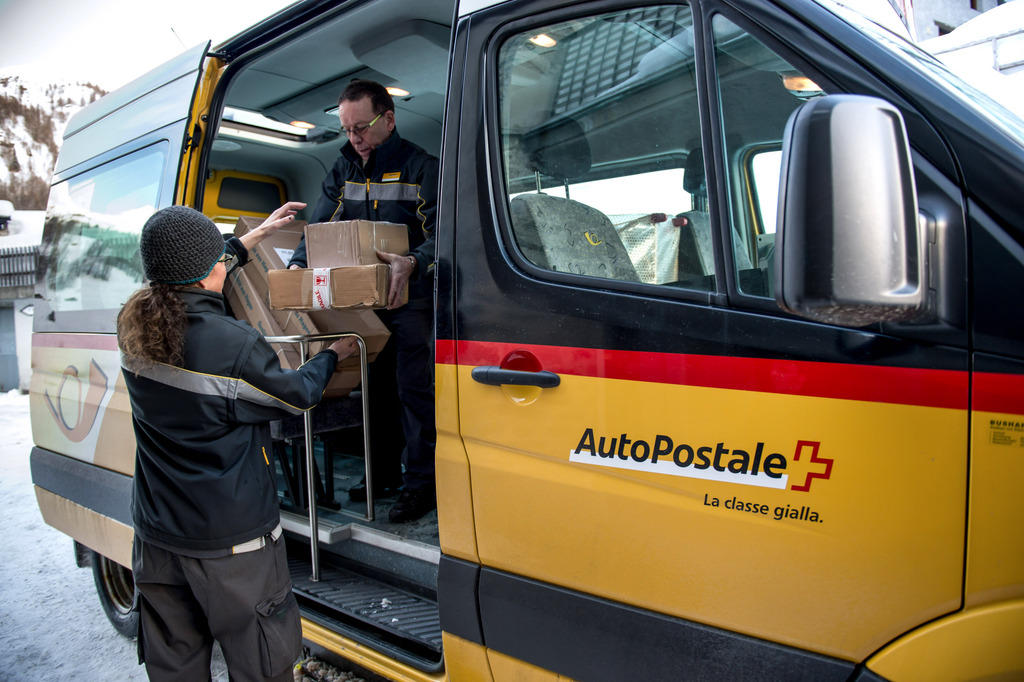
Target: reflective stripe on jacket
point(398, 184)
point(203, 468)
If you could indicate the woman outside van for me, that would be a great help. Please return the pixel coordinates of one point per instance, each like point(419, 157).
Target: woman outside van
point(209, 561)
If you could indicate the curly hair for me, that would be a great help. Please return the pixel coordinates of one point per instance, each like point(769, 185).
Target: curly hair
point(151, 325)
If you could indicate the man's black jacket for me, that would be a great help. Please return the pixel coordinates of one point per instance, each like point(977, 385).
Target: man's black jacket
point(397, 185)
point(203, 468)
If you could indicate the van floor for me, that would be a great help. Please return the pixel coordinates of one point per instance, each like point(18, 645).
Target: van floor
point(338, 454)
point(348, 471)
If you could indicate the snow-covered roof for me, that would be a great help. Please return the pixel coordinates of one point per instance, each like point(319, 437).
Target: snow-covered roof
point(998, 22)
point(987, 52)
point(25, 229)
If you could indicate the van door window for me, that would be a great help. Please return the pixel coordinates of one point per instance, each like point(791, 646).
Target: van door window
point(765, 168)
point(758, 91)
point(600, 141)
point(93, 222)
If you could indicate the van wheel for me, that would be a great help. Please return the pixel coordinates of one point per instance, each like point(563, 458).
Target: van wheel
point(116, 588)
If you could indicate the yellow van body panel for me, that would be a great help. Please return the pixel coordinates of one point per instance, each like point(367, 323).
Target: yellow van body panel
point(508, 669)
point(100, 533)
point(451, 472)
point(365, 656)
point(856, 560)
point(983, 643)
point(995, 551)
point(78, 400)
point(188, 172)
point(465, 660)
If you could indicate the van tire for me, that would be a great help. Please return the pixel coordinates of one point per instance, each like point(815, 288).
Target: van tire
point(116, 589)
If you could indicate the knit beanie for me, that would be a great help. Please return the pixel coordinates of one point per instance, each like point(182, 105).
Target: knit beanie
point(179, 245)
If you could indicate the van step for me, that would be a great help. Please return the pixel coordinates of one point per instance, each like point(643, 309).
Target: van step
point(373, 608)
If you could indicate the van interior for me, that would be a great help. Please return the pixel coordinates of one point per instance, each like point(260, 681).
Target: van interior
point(614, 144)
point(277, 137)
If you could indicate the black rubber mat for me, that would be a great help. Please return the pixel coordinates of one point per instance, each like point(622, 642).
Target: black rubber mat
point(399, 616)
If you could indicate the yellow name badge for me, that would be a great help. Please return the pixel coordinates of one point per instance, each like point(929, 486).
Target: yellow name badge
point(391, 177)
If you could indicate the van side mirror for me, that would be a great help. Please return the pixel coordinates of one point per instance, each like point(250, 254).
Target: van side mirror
point(850, 249)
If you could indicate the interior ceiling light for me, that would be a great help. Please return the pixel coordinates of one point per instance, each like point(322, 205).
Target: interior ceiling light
point(543, 40)
point(801, 86)
point(397, 92)
point(302, 124)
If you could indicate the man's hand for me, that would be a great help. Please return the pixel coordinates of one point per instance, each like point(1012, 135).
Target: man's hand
point(402, 268)
point(344, 347)
point(272, 224)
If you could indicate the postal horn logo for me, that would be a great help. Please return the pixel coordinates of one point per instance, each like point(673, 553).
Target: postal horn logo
point(755, 464)
point(75, 424)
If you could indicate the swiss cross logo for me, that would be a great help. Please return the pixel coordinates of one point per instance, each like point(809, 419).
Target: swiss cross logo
point(825, 474)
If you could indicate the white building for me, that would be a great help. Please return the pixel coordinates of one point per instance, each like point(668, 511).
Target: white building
point(987, 52)
point(933, 18)
point(19, 247)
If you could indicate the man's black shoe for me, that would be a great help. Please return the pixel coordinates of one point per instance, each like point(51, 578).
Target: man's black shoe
point(357, 493)
point(412, 504)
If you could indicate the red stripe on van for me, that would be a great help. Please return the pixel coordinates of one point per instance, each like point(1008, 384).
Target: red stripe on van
point(998, 392)
point(899, 385)
point(444, 352)
point(84, 341)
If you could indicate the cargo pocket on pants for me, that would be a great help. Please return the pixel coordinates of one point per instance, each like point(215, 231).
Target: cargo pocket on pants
point(280, 632)
point(140, 640)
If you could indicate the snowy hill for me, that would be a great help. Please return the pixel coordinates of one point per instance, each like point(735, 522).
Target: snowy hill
point(33, 115)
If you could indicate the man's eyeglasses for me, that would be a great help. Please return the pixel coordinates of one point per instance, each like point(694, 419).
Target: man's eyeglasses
point(359, 130)
point(226, 258)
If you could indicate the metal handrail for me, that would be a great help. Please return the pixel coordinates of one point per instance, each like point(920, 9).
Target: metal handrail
point(303, 340)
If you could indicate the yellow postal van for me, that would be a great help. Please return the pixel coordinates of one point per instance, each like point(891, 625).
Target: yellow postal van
point(729, 340)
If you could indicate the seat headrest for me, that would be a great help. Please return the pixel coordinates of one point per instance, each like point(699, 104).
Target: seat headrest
point(560, 150)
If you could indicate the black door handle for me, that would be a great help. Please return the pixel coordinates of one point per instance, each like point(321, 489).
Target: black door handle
point(496, 376)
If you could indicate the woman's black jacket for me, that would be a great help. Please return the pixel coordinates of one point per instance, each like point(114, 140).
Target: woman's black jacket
point(203, 469)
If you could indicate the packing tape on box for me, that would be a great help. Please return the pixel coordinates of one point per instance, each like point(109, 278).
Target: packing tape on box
point(321, 288)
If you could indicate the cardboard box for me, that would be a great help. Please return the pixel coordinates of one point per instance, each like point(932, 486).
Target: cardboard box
point(272, 254)
point(350, 287)
point(353, 242)
point(255, 312)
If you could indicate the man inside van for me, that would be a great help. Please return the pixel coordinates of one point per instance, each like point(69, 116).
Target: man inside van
point(380, 176)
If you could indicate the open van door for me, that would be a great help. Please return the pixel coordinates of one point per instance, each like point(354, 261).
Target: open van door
point(122, 158)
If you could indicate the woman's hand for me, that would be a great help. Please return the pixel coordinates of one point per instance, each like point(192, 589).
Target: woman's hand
point(275, 221)
point(344, 347)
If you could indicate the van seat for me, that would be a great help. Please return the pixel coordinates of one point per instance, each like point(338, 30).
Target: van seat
point(568, 236)
point(766, 260)
point(696, 250)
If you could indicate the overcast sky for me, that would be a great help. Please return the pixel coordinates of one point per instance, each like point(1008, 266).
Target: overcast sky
point(111, 42)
